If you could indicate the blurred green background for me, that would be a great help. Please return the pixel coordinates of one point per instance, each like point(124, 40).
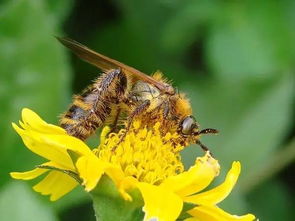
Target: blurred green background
point(234, 59)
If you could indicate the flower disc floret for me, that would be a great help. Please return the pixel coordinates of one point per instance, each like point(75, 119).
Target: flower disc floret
point(143, 154)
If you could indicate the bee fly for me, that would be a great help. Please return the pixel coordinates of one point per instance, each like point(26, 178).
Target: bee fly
point(124, 91)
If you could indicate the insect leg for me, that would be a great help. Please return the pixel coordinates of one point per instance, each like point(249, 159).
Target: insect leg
point(112, 89)
point(138, 110)
point(113, 84)
point(166, 110)
point(205, 148)
point(115, 122)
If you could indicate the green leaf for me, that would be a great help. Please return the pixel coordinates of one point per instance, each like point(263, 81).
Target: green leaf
point(109, 204)
point(261, 128)
point(34, 74)
point(187, 24)
point(271, 201)
point(252, 118)
point(74, 199)
point(250, 39)
point(18, 202)
point(236, 203)
point(58, 10)
point(186, 207)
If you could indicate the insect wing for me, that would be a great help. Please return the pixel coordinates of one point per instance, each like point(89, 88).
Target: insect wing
point(105, 63)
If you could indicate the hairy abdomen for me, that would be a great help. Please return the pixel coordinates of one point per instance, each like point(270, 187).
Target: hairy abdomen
point(91, 109)
point(84, 116)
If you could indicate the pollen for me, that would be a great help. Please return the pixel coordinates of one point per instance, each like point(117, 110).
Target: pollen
point(144, 154)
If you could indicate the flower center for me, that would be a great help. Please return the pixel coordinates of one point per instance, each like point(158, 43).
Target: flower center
point(143, 153)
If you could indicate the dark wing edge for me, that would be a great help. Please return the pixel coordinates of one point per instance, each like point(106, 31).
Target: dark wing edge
point(105, 63)
point(88, 55)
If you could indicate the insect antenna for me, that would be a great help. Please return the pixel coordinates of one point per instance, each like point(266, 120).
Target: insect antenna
point(207, 131)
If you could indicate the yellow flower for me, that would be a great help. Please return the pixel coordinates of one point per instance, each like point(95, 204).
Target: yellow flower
point(144, 160)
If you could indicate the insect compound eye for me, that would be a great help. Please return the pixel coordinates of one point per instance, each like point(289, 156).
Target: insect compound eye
point(188, 124)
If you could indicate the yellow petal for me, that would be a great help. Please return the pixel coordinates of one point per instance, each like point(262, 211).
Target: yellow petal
point(44, 147)
point(90, 170)
point(217, 194)
point(32, 174)
point(213, 213)
point(192, 219)
point(32, 121)
point(56, 184)
point(126, 184)
point(122, 182)
point(70, 143)
point(160, 203)
point(195, 179)
point(28, 175)
point(115, 173)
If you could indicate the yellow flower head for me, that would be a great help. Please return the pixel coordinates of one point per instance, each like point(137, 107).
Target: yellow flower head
point(144, 160)
point(144, 154)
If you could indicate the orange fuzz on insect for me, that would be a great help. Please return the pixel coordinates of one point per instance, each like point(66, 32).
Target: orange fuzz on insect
point(122, 94)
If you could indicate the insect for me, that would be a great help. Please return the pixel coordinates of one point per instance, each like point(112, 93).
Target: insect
point(123, 92)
